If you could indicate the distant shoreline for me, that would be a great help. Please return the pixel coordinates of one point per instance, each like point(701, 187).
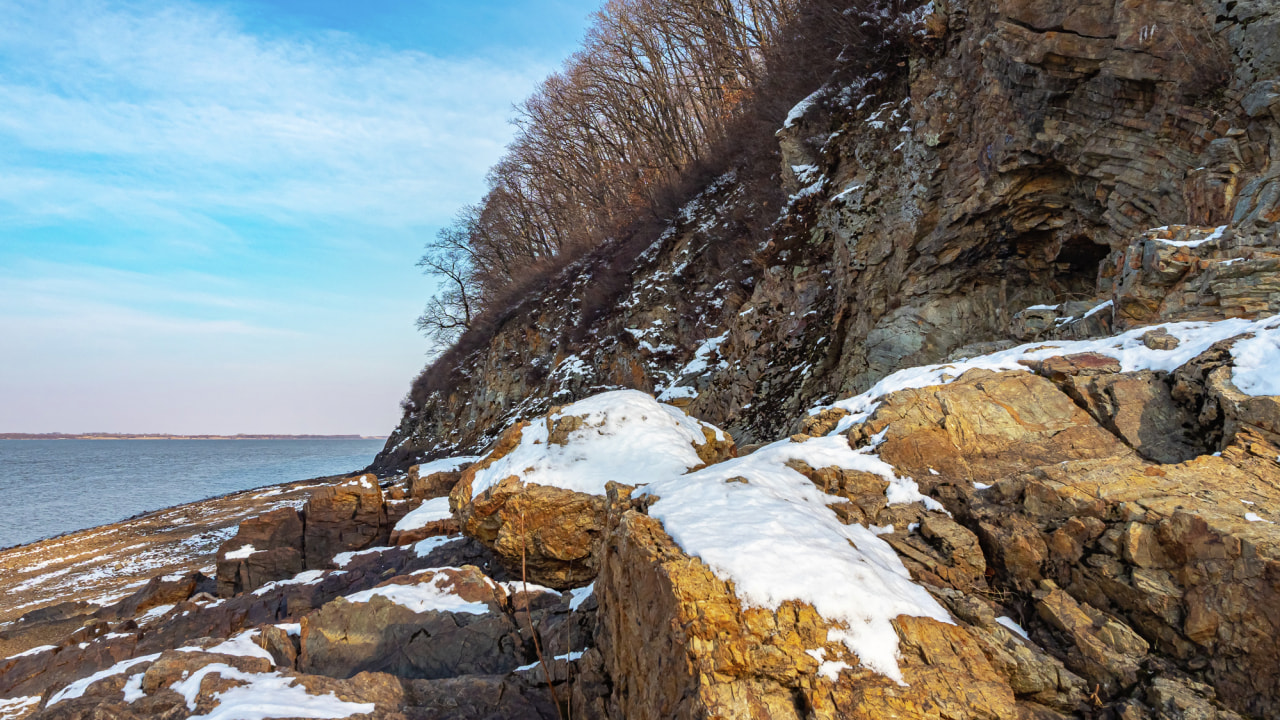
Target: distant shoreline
point(161, 436)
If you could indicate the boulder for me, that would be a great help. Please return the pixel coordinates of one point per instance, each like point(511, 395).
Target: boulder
point(282, 646)
point(678, 642)
point(340, 518)
point(983, 427)
point(435, 624)
point(159, 590)
point(264, 549)
point(537, 498)
point(433, 484)
point(548, 534)
point(1139, 409)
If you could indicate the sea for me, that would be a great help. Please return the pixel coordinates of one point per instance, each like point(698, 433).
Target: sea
point(51, 487)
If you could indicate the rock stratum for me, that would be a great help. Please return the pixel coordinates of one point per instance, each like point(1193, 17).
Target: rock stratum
point(988, 428)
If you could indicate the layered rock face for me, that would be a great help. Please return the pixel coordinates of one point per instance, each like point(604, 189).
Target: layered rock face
point(1038, 159)
point(1070, 209)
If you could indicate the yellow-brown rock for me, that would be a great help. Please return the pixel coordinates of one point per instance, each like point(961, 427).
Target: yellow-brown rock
point(679, 644)
point(351, 515)
point(983, 427)
point(552, 535)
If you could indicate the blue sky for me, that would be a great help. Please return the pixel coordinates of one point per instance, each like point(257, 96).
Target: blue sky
point(210, 211)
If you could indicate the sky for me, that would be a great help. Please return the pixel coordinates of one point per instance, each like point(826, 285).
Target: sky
point(210, 212)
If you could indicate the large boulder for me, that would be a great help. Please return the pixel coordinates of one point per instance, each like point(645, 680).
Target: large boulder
point(537, 497)
point(679, 643)
point(436, 478)
point(264, 549)
point(1131, 568)
point(982, 427)
point(345, 517)
point(435, 624)
point(430, 519)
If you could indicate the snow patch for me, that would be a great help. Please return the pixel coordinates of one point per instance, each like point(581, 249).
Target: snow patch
point(154, 613)
point(1215, 235)
point(264, 695)
point(33, 651)
point(1008, 622)
point(423, 597)
point(344, 558)
point(244, 552)
point(133, 688)
point(77, 688)
point(424, 547)
point(428, 512)
point(776, 539)
point(798, 111)
point(1256, 359)
point(13, 708)
point(624, 432)
point(306, 577)
point(577, 596)
point(242, 645)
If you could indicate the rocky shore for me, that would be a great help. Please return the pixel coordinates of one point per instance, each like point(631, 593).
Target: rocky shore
point(1039, 533)
point(989, 427)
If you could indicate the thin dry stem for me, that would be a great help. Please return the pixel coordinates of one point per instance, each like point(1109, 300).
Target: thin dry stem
point(528, 618)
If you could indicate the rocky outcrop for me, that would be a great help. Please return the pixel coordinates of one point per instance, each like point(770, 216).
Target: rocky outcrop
point(547, 521)
point(1073, 572)
point(1036, 163)
point(264, 549)
point(1086, 524)
point(435, 624)
point(679, 644)
point(345, 517)
point(1126, 559)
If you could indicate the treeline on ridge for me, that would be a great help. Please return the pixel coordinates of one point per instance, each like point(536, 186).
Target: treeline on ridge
point(663, 95)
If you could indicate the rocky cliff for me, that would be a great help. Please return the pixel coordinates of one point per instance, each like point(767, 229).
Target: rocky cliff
point(986, 426)
point(1020, 164)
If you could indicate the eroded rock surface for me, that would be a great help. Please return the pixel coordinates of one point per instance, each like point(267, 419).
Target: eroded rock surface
point(547, 520)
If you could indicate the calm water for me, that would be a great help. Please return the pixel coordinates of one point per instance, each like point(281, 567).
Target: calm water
point(48, 487)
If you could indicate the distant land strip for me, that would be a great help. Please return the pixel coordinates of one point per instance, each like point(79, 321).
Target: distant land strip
point(164, 436)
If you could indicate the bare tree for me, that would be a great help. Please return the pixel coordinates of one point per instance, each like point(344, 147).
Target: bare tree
point(451, 311)
point(656, 85)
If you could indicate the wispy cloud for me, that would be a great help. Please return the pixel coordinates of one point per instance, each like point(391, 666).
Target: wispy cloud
point(175, 112)
point(205, 226)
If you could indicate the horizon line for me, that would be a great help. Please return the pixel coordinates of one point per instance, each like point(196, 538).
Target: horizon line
point(183, 436)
